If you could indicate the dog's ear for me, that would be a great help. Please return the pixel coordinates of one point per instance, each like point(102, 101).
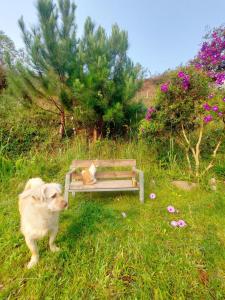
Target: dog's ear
point(51, 189)
point(39, 194)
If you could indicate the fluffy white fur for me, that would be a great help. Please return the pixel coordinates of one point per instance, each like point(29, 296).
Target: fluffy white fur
point(39, 206)
point(33, 183)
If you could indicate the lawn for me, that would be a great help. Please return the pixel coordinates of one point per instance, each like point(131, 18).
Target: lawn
point(106, 256)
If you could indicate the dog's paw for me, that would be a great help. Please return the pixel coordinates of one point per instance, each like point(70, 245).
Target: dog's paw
point(32, 262)
point(54, 248)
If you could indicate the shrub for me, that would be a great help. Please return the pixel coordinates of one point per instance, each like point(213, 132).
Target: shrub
point(185, 106)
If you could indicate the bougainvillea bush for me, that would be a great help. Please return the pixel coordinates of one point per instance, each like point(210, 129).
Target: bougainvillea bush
point(211, 56)
point(186, 104)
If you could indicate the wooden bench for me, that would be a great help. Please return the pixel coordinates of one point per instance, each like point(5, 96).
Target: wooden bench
point(108, 178)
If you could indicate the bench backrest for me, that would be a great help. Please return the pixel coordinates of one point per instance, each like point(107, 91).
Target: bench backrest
point(106, 174)
point(104, 163)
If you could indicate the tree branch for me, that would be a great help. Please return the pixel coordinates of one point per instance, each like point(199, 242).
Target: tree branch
point(211, 164)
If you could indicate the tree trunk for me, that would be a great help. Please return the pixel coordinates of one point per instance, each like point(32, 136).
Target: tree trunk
point(62, 124)
point(95, 135)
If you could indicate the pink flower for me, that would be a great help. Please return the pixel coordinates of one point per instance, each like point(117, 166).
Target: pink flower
point(152, 196)
point(171, 209)
point(210, 96)
point(224, 99)
point(181, 223)
point(174, 223)
point(181, 74)
point(208, 119)
point(165, 87)
point(220, 114)
point(215, 108)
point(206, 106)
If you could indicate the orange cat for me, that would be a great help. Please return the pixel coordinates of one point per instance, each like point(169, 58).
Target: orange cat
point(88, 175)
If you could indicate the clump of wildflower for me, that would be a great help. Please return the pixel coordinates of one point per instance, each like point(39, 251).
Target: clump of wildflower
point(173, 223)
point(181, 223)
point(171, 209)
point(152, 196)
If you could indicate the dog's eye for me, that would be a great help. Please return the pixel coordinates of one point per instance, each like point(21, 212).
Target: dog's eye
point(53, 196)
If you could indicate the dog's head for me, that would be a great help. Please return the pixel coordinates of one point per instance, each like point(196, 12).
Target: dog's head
point(50, 195)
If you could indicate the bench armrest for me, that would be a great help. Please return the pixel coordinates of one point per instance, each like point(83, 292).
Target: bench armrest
point(139, 172)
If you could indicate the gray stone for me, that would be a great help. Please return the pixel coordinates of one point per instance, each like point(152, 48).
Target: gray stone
point(184, 185)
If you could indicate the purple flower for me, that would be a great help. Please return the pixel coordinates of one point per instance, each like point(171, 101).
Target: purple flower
point(215, 108)
point(152, 196)
point(185, 79)
point(171, 209)
point(206, 106)
point(220, 78)
point(220, 114)
point(149, 113)
point(174, 223)
point(210, 96)
point(181, 74)
point(181, 223)
point(208, 119)
point(224, 99)
point(198, 66)
point(165, 87)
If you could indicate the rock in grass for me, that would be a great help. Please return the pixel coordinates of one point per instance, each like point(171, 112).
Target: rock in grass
point(184, 185)
point(212, 184)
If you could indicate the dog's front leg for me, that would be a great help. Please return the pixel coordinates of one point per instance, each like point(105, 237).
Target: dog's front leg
point(32, 245)
point(52, 236)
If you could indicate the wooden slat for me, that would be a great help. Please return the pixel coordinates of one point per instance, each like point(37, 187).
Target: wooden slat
point(110, 185)
point(107, 175)
point(104, 163)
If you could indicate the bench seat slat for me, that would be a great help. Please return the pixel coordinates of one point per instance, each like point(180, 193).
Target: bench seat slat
point(108, 174)
point(110, 185)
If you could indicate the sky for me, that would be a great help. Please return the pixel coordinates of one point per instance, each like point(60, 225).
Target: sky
point(163, 34)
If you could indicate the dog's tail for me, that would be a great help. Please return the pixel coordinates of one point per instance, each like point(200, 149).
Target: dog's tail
point(33, 183)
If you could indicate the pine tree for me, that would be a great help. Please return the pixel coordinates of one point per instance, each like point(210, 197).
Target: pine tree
point(108, 80)
point(51, 46)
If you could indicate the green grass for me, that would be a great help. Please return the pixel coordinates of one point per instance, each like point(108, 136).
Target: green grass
point(106, 256)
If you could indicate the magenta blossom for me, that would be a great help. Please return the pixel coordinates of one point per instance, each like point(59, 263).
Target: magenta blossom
point(174, 223)
point(206, 106)
point(220, 114)
point(171, 209)
point(149, 113)
point(181, 74)
point(224, 99)
point(165, 87)
point(215, 108)
point(208, 119)
point(185, 79)
point(181, 223)
point(152, 196)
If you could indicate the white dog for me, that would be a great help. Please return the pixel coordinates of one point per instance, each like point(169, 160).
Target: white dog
point(39, 206)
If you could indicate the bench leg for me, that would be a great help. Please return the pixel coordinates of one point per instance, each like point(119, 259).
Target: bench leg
point(141, 181)
point(66, 189)
point(73, 194)
point(66, 195)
